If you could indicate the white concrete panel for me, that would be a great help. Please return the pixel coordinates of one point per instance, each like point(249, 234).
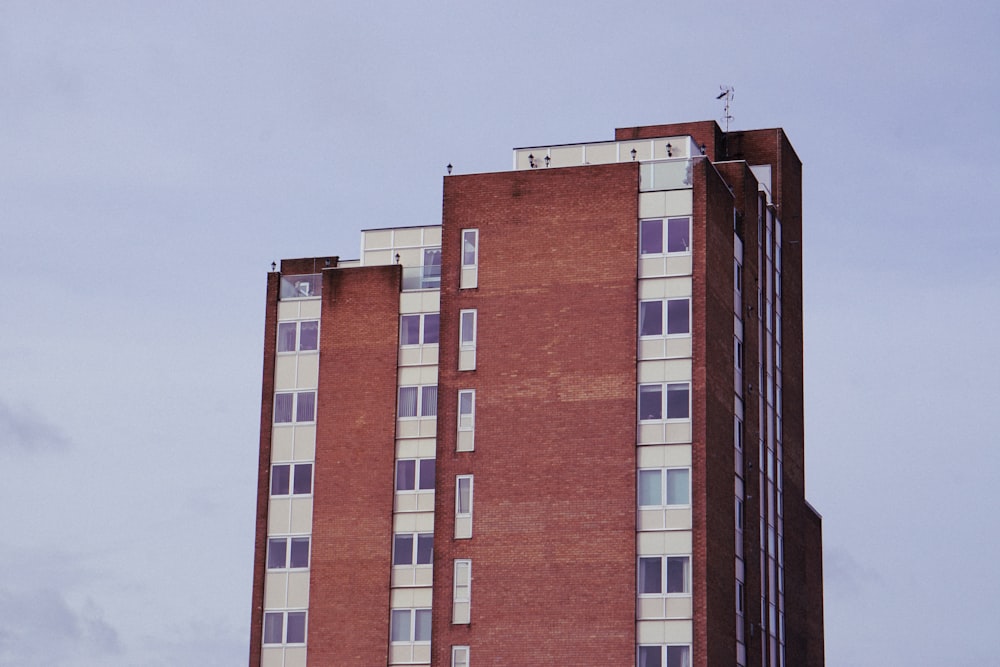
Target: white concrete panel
point(278, 516)
point(401, 598)
point(284, 372)
point(465, 441)
point(677, 519)
point(422, 654)
point(664, 632)
point(677, 455)
point(428, 375)
point(381, 238)
point(677, 542)
point(467, 360)
point(679, 347)
point(295, 656)
point(411, 302)
point(651, 544)
point(298, 590)
point(425, 501)
point(423, 576)
point(424, 522)
point(432, 235)
point(678, 202)
point(678, 432)
point(677, 287)
point(563, 156)
point(378, 257)
point(305, 443)
point(677, 370)
point(409, 256)
point(413, 236)
point(678, 607)
point(422, 597)
point(406, 502)
point(282, 440)
point(678, 632)
point(407, 428)
point(650, 520)
point(430, 354)
point(650, 434)
point(469, 278)
point(643, 150)
point(271, 657)
point(308, 375)
point(463, 527)
point(410, 356)
point(652, 204)
point(310, 310)
point(650, 608)
point(288, 310)
point(651, 267)
point(652, 348)
point(679, 265)
point(301, 521)
point(430, 301)
point(400, 654)
point(460, 613)
point(275, 590)
point(408, 376)
point(603, 153)
point(404, 523)
point(652, 288)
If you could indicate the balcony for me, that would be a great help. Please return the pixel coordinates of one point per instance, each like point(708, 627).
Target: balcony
point(427, 276)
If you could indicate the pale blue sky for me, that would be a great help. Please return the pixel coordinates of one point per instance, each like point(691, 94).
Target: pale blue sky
point(156, 157)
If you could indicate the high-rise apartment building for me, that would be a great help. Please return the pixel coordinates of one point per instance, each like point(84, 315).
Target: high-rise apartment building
point(563, 427)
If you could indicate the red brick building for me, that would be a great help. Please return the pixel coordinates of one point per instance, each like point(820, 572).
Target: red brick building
point(564, 427)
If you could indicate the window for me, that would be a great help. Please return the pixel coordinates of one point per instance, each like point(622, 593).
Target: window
point(466, 409)
point(470, 248)
point(300, 287)
point(459, 656)
point(285, 627)
point(676, 405)
point(676, 234)
point(675, 570)
point(463, 495)
point(301, 336)
point(675, 319)
point(287, 552)
point(663, 487)
point(419, 329)
point(462, 592)
point(431, 278)
point(410, 625)
point(412, 548)
point(664, 656)
point(295, 406)
point(420, 401)
point(291, 478)
point(468, 329)
point(415, 475)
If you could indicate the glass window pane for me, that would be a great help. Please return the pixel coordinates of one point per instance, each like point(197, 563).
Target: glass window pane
point(303, 478)
point(407, 402)
point(650, 575)
point(273, 627)
point(463, 494)
point(650, 401)
point(279, 480)
point(677, 401)
point(286, 336)
point(465, 402)
point(276, 553)
point(425, 548)
point(409, 329)
point(429, 401)
point(399, 630)
point(426, 474)
point(650, 656)
point(679, 486)
point(680, 656)
point(422, 627)
point(309, 336)
point(469, 247)
point(468, 328)
point(283, 408)
point(296, 627)
point(406, 475)
point(678, 234)
point(677, 574)
point(651, 237)
point(402, 550)
point(305, 410)
point(432, 328)
point(299, 556)
point(678, 316)
point(649, 488)
point(650, 318)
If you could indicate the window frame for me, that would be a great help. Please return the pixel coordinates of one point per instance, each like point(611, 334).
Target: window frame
point(463, 342)
point(664, 655)
point(470, 417)
point(418, 475)
point(664, 491)
point(293, 477)
point(284, 616)
point(412, 613)
point(421, 329)
point(663, 572)
point(414, 549)
point(664, 406)
point(422, 391)
point(294, 417)
point(456, 661)
point(664, 319)
point(458, 496)
point(664, 236)
point(475, 249)
point(287, 541)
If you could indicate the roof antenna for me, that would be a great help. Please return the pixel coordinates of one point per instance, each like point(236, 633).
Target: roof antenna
point(727, 93)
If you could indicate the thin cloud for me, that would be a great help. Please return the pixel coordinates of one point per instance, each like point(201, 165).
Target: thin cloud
point(22, 428)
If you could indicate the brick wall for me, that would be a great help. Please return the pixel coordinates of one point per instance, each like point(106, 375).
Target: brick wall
point(553, 546)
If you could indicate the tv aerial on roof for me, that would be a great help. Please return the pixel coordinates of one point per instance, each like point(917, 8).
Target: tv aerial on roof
point(727, 93)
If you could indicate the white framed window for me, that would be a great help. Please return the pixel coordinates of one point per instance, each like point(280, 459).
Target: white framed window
point(431, 270)
point(297, 406)
point(665, 401)
point(470, 248)
point(291, 479)
point(665, 317)
point(413, 548)
point(415, 475)
point(423, 329)
point(417, 401)
point(665, 236)
point(461, 593)
point(467, 329)
point(665, 575)
point(459, 656)
point(664, 487)
point(300, 287)
point(659, 655)
point(291, 553)
point(466, 409)
point(284, 627)
point(298, 336)
point(463, 496)
point(409, 626)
